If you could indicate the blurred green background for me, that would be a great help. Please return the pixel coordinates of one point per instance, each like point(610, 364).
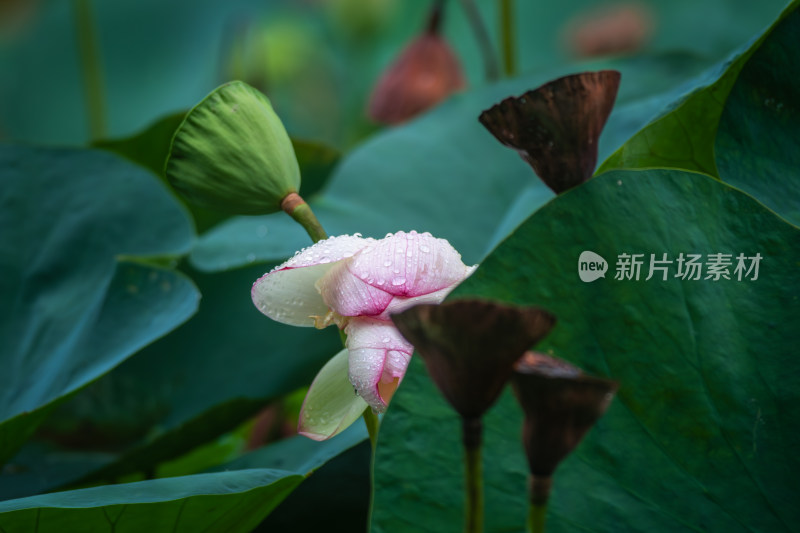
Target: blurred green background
point(316, 59)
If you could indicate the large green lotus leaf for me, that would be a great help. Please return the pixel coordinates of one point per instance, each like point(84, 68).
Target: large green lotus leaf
point(338, 492)
point(71, 310)
point(442, 173)
point(203, 380)
point(699, 437)
point(226, 502)
point(39, 467)
point(756, 146)
point(683, 135)
point(298, 453)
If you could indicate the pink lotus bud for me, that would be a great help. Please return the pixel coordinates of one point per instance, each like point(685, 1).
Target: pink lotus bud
point(424, 74)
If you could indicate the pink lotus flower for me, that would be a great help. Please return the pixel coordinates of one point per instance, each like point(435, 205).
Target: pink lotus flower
point(356, 283)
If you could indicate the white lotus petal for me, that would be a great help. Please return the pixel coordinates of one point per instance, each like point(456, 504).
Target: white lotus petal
point(379, 356)
point(287, 293)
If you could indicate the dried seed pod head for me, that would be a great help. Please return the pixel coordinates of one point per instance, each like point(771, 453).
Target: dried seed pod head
point(561, 404)
point(469, 346)
point(555, 128)
point(423, 75)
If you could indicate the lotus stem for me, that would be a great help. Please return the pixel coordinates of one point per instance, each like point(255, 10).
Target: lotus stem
point(298, 209)
point(373, 423)
point(92, 70)
point(491, 67)
point(508, 37)
point(472, 436)
point(536, 516)
point(539, 494)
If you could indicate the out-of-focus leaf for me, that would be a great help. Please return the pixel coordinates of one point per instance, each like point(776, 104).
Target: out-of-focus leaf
point(71, 310)
point(227, 502)
point(298, 453)
point(158, 64)
point(316, 161)
point(40, 467)
point(149, 147)
point(683, 136)
point(203, 380)
point(269, 474)
point(707, 370)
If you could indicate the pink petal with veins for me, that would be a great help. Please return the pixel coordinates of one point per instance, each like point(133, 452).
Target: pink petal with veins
point(379, 356)
point(410, 264)
point(349, 295)
point(399, 304)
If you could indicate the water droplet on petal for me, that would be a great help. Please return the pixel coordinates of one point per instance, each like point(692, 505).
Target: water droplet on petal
point(387, 263)
point(424, 249)
point(398, 281)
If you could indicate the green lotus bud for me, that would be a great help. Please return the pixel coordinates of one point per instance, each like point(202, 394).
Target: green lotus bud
point(232, 153)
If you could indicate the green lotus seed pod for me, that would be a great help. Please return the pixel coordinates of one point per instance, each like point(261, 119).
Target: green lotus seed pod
point(232, 153)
